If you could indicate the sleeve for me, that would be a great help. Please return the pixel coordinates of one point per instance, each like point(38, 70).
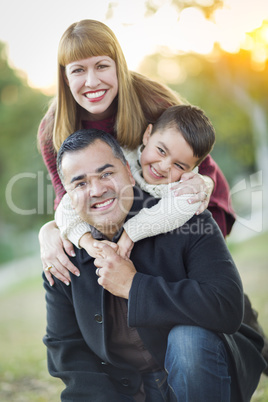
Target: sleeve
point(71, 226)
point(210, 295)
point(69, 357)
point(49, 156)
point(220, 204)
point(168, 214)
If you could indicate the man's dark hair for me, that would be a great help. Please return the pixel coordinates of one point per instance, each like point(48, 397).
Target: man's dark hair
point(193, 124)
point(81, 139)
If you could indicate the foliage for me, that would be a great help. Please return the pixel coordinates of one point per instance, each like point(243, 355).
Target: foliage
point(208, 7)
point(215, 84)
point(21, 166)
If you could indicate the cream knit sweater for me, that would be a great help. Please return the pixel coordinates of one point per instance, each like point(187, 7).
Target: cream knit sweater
point(168, 214)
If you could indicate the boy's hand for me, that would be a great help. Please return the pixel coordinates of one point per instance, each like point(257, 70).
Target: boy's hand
point(125, 245)
point(87, 242)
point(201, 188)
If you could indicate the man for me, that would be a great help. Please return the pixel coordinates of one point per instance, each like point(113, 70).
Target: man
point(157, 326)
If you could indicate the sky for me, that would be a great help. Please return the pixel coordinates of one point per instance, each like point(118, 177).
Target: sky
point(32, 30)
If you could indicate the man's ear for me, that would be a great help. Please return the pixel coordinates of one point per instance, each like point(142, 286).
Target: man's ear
point(132, 180)
point(147, 134)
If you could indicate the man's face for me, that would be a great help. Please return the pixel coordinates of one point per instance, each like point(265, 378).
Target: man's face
point(100, 186)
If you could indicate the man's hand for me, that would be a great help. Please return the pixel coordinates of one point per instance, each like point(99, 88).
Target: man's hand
point(115, 273)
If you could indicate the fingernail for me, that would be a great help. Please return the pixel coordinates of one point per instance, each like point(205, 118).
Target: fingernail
point(51, 284)
point(77, 273)
point(73, 253)
point(190, 201)
point(67, 283)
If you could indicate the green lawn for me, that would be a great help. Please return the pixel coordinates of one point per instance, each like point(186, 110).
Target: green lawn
point(23, 372)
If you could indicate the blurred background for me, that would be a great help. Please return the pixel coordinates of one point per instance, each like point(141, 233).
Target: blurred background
point(214, 54)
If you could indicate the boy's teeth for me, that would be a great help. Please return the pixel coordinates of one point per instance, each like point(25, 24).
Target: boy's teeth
point(103, 204)
point(93, 95)
point(155, 172)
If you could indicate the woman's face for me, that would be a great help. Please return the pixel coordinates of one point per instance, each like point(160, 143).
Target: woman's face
point(94, 85)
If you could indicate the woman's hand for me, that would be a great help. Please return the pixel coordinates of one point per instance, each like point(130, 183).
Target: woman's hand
point(52, 248)
point(200, 186)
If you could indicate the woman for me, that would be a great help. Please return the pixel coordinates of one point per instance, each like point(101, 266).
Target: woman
point(96, 90)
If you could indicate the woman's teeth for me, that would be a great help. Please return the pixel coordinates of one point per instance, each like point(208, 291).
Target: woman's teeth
point(94, 95)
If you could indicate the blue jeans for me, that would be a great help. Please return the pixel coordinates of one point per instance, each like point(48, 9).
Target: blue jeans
point(196, 369)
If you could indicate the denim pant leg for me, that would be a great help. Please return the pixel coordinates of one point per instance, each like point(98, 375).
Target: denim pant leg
point(156, 387)
point(197, 365)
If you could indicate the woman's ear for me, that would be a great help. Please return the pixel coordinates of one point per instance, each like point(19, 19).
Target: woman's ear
point(65, 77)
point(147, 134)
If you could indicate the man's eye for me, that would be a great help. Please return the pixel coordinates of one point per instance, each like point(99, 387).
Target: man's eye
point(106, 175)
point(80, 184)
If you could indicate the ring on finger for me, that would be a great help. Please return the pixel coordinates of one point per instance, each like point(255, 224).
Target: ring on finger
point(48, 268)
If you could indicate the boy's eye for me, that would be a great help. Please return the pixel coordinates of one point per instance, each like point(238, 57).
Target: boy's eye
point(179, 166)
point(162, 152)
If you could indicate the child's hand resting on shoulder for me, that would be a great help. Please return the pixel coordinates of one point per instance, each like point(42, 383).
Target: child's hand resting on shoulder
point(125, 245)
point(88, 243)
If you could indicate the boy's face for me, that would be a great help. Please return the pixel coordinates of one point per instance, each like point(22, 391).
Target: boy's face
point(166, 156)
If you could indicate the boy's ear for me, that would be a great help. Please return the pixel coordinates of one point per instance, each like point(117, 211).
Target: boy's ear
point(147, 134)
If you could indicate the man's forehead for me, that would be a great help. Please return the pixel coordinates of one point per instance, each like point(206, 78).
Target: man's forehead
point(89, 161)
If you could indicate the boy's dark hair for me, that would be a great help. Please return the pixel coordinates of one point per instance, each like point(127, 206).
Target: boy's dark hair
point(81, 139)
point(193, 124)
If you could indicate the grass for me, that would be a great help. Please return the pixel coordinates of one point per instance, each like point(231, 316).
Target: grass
point(23, 370)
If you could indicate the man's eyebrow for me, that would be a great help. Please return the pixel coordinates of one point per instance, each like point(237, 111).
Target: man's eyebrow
point(98, 170)
point(77, 178)
point(102, 168)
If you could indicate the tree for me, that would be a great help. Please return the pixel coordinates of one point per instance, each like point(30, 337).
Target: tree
point(21, 166)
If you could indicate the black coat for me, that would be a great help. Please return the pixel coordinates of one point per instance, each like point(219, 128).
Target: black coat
point(184, 277)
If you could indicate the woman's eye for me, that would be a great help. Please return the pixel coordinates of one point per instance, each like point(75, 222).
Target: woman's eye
point(102, 66)
point(77, 71)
